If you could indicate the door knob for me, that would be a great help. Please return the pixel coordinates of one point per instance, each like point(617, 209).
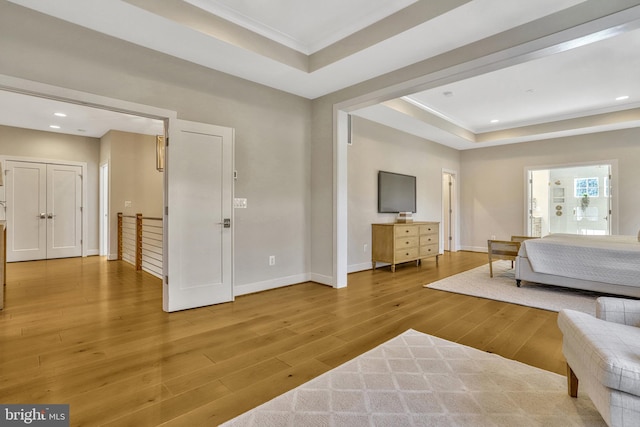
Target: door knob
point(42, 215)
point(50, 215)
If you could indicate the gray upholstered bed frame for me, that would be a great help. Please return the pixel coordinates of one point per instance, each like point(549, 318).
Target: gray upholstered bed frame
point(525, 273)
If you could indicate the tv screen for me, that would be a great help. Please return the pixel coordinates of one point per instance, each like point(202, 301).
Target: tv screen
point(396, 192)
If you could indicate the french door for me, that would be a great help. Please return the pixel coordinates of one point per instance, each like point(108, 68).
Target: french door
point(44, 210)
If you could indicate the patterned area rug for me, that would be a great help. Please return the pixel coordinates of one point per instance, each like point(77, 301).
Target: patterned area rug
point(502, 287)
point(420, 380)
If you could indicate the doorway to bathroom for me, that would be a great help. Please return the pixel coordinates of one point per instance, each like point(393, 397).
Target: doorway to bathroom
point(570, 199)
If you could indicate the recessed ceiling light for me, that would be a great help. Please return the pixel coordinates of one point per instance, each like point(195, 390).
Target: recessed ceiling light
point(495, 121)
point(622, 98)
point(60, 114)
point(54, 126)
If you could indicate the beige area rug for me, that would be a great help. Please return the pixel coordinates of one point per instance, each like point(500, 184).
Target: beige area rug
point(502, 287)
point(420, 380)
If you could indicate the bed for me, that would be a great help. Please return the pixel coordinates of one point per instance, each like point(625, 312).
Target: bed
point(606, 264)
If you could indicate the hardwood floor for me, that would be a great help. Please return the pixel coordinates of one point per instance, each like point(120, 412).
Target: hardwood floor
point(92, 333)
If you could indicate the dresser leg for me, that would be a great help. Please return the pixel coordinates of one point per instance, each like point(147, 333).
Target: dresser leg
point(393, 268)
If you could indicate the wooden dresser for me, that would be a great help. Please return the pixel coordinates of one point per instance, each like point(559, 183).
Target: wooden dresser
point(395, 243)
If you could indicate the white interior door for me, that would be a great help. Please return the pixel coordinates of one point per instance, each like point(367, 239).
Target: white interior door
point(104, 209)
point(199, 189)
point(44, 211)
point(64, 211)
point(26, 192)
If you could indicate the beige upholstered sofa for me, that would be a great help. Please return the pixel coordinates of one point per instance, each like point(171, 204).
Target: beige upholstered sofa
point(603, 355)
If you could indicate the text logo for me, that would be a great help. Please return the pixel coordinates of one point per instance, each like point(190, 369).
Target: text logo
point(34, 415)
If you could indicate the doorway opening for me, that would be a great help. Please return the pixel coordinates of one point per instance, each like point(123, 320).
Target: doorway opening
point(570, 199)
point(449, 211)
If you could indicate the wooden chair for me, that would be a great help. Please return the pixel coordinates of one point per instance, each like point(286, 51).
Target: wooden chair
point(504, 249)
point(501, 249)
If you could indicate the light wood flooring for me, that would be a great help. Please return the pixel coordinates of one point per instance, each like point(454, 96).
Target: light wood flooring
point(92, 333)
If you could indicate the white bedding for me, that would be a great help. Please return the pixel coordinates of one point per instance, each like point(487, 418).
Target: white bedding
point(608, 259)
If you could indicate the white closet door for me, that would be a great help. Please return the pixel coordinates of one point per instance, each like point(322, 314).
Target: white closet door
point(44, 211)
point(64, 211)
point(26, 187)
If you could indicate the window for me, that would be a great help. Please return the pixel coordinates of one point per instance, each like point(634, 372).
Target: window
point(588, 186)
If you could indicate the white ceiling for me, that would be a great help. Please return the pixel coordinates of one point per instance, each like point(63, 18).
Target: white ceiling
point(304, 25)
point(584, 80)
point(299, 46)
point(30, 112)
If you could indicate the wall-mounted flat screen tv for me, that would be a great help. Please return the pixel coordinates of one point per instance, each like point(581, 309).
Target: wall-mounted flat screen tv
point(396, 192)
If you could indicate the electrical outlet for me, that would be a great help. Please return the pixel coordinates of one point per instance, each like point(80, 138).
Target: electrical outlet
point(272, 260)
point(493, 237)
point(365, 247)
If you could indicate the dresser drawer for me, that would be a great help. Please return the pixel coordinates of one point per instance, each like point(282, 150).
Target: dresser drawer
point(428, 229)
point(408, 254)
point(428, 250)
point(406, 230)
point(406, 242)
point(428, 239)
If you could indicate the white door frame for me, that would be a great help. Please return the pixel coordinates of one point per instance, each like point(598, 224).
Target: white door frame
point(104, 210)
point(85, 197)
point(452, 197)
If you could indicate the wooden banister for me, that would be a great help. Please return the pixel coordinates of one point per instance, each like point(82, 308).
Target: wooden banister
point(139, 241)
point(119, 235)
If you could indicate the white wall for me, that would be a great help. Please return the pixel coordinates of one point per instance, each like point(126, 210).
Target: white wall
point(493, 187)
point(376, 147)
point(272, 128)
point(56, 146)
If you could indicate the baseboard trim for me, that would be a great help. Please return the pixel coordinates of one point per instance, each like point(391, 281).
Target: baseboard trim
point(354, 268)
point(321, 279)
point(266, 285)
point(475, 248)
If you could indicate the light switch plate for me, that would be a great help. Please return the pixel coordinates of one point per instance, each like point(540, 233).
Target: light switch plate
point(240, 203)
